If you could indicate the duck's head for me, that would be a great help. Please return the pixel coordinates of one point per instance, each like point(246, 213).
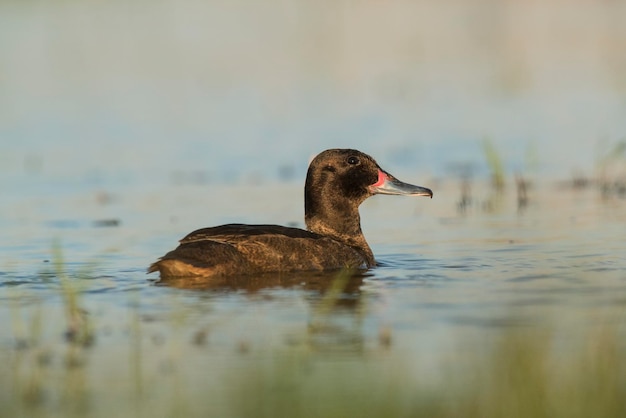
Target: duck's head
point(339, 180)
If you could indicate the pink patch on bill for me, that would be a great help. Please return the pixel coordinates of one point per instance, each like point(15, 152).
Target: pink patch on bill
point(382, 177)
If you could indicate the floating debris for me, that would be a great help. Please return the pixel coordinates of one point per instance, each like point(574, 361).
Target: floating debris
point(106, 223)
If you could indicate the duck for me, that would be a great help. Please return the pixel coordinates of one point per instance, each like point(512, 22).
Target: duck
point(337, 182)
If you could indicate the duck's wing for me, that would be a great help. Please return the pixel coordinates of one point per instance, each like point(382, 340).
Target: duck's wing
point(232, 233)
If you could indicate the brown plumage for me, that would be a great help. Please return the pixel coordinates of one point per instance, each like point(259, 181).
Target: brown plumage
point(338, 181)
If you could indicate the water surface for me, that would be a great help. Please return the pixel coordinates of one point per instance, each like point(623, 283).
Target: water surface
point(448, 280)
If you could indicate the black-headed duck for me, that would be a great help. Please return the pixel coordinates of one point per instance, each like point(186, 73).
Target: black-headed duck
point(337, 182)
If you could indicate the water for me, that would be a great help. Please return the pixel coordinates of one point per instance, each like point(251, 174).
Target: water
point(447, 281)
point(115, 143)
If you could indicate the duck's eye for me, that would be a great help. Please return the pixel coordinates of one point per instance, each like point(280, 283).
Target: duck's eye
point(353, 160)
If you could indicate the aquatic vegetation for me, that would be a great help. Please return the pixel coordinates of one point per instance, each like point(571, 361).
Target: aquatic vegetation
point(549, 373)
point(79, 328)
point(556, 370)
point(497, 181)
point(611, 170)
point(518, 373)
point(495, 164)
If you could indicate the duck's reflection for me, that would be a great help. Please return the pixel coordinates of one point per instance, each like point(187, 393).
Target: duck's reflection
point(335, 301)
point(349, 283)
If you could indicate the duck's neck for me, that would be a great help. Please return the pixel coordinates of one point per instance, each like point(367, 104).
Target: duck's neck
point(337, 218)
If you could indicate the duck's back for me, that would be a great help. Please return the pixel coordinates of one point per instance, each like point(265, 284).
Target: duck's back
point(236, 249)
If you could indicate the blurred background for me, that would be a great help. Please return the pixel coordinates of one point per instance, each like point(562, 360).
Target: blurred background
point(141, 91)
point(125, 124)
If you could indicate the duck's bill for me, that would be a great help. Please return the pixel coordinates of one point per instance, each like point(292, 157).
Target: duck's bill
point(388, 184)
